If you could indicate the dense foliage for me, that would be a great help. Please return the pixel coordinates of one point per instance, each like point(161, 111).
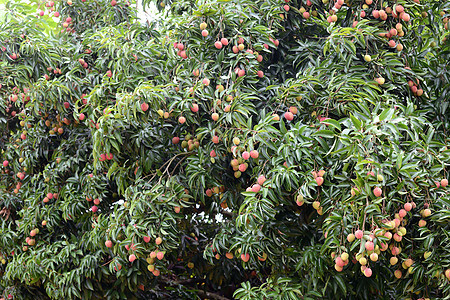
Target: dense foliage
point(241, 149)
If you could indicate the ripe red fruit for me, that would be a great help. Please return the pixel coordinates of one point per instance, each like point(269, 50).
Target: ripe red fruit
point(245, 257)
point(408, 206)
point(367, 272)
point(261, 179)
point(402, 213)
point(260, 74)
point(183, 54)
point(245, 155)
point(205, 81)
point(359, 234)
point(406, 17)
point(444, 182)
point(241, 72)
point(319, 180)
point(289, 116)
point(369, 246)
point(204, 33)
point(194, 107)
point(286, 7)
point(215, 139)
point(212, 153)
point(5, 163)
point(66, 105)
point(158, 241)
point(132, 258)
point(242, 167)
point(113, 2)
point(224, 41)
point(254, 154)
point(256, 188)
point(182, 120)
point(81, 117)
point(108, 244)
point(215, 116)
point(377, 192)
point(218, 45)
point(144, 106)
point(109, 73)
point(160, 255)
point(109, 156)
point(94, 208)
point(175, 140)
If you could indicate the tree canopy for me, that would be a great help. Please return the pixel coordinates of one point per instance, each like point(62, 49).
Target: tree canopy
point(230, 149)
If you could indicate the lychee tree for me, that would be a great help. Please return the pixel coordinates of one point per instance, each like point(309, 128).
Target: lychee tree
point(229, 149)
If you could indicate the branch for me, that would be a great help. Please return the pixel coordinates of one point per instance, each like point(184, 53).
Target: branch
point(201, 293)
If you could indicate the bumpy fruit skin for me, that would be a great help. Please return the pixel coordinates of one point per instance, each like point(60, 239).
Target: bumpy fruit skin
point(350, 237)
point(393, 260)
point(289, 116)
point(444, 182)
point(359, 234)
point(254, 154)
point(408, 206)
point(144, 106)
point(256, 188)
point(316, 205)
point(108, 244)
point(380, 80)
point(319, 181)
point(261, 179)
point(377, 192)
point(245, 257)
point(369, 246)
point(245, 155)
